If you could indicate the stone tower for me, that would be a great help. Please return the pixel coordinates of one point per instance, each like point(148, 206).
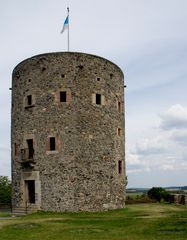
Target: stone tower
point(68, 137)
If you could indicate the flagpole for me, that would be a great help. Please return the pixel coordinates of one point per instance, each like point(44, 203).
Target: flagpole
point(68, 27)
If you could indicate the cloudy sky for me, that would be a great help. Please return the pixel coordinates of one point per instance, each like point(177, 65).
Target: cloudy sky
point(146, 38)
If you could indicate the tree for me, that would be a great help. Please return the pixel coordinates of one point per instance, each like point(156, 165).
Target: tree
point(158, 194)
point(5, 190)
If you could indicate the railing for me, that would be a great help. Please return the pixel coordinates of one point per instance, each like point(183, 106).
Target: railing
point(4, 206)
point(27, 154)
point(27, 158)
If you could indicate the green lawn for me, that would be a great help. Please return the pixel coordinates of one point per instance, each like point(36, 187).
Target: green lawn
point(4, 214)
point(135, 222)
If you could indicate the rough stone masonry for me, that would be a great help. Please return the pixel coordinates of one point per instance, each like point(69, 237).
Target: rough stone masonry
point(68, 133)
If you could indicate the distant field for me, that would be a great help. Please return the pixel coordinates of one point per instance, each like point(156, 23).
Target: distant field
point(138, 197)
point(134, 194)
point(135, 222)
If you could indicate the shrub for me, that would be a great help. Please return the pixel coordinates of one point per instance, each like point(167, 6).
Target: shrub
point(5, 190)
point(158, 194)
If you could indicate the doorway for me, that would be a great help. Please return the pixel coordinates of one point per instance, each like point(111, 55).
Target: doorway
point(30, 191)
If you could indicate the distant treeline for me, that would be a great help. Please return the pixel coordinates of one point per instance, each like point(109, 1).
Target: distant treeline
point(144, 190)
point(181, 188)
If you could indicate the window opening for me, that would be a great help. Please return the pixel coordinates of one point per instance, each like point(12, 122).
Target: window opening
point(98, 79)
point(111, 76)
point(119, 106)
point(119, 167)
point(15, 149)
point(119, 131)
point(29, 100)
point(80, 67)
point(30, 148)
point(52, 144)
point(98, 98)
point(63, 96)
point(30, 186)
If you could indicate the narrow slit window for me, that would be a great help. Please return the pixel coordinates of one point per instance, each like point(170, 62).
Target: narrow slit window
point(52, 143)
point(98, 98)
point(63, 96)
point(119, 131)
point(30, 148)
point(15, 149)
point(119, 106)
point(29, 100)
point(119, 167)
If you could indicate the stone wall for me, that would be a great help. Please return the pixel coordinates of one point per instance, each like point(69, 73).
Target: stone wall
point(179, 199)
point(86, 170)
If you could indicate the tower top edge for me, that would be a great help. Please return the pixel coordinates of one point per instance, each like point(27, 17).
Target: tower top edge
point(67, 53)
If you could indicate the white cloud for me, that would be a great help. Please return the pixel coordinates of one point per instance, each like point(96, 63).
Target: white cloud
point(134, 163)
point(159, 151)
point(184, 156)
point(151, 146)
point(174, 118)
point(132, 158)
point(184, 165)
point(161, 161)
point(180, 136)
point(5, 163)
point(167, 167)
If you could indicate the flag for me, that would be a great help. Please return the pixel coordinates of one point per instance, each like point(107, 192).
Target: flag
point(66, 23)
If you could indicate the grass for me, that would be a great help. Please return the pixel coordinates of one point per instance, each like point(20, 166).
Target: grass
point(5, 214)
point(135, 222)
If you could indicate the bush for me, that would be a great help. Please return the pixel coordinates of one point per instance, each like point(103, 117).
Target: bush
point(158, 194)
point(139, 198)
point(5, 190)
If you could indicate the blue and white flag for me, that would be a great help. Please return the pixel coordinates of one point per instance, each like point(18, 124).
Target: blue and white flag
point(66, 23)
